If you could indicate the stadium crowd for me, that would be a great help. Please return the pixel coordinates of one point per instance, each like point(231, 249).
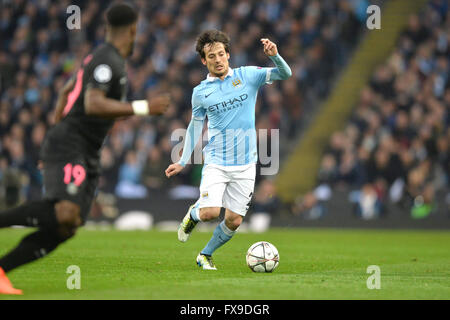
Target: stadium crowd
point(395, 147)
point(38, 53)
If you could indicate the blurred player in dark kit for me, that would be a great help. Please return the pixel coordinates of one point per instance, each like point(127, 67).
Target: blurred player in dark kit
point(86, 109)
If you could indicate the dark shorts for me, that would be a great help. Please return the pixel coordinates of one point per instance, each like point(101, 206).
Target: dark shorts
point(71, 168)
point(69, 180)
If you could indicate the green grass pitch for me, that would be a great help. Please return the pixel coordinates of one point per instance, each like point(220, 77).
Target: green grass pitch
point(314, 264)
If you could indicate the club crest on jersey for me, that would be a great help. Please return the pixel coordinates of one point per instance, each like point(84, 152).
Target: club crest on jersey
point(204, 194)
point(236, 83)
point(103, 73)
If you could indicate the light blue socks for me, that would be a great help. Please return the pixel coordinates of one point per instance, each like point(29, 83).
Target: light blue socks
point(221, 235)
point(195, 213)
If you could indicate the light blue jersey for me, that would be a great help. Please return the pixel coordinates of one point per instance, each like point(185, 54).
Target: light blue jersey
point(229, 105)
point(230, 108)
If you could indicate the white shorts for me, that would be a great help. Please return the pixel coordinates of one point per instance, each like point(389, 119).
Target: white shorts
point(228, 187)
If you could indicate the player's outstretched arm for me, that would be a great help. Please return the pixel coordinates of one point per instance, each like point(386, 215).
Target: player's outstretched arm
point(97, 104)
point(193, 133)
point(282, 70)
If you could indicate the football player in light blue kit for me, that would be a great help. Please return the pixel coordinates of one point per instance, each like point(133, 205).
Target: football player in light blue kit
point(227, 98)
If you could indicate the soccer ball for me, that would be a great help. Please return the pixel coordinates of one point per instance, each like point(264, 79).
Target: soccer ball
point(262, 256)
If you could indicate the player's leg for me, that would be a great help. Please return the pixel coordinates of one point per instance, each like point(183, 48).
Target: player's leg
point(41, 242)
point(39, 213)
point(33, 214)
point(67, 213)
point(236, 200)
point(208, 205)
point(221, 235)
point(52, 219)
point(223, 232)
point(209, 213)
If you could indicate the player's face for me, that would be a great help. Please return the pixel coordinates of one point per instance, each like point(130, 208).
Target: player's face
point(216, 59)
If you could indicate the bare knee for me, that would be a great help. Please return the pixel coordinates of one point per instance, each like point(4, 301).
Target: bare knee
point(207, 214)
point(68, 215)
point(66, 232)
point(233, 220)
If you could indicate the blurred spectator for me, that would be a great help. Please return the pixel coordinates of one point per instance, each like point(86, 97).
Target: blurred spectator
point(110, 168)
point(395, 147)
point(265, 204)
point(153, 175)
point(328, 173)
point(129, 185)
point(38, 54)
point(11, 193)
point(368, 202)
point(311, 206)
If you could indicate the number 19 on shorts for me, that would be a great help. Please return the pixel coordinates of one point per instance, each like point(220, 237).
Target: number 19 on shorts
point(74, 172)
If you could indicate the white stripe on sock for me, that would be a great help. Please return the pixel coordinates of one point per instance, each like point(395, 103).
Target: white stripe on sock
point(226, 230)
point(195, 213)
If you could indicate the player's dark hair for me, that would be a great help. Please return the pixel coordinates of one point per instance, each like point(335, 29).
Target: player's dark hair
point(209, 37)
point(121, 14)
